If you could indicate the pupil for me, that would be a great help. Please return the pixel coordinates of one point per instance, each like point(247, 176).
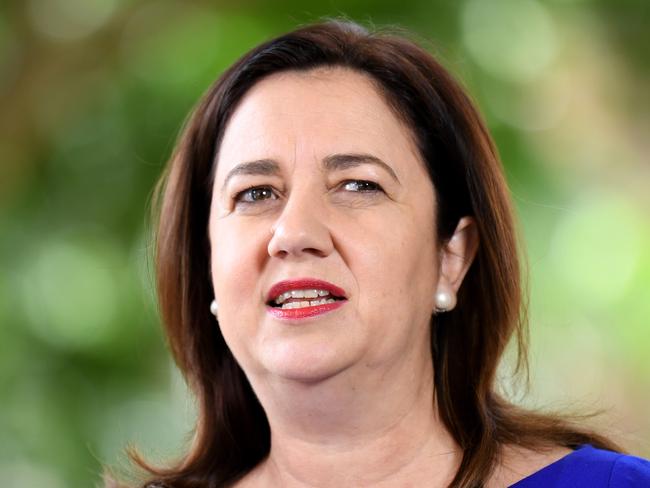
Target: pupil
point(362, 186)
point(259, 193)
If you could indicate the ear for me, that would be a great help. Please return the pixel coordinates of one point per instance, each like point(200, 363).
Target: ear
point(457, 255)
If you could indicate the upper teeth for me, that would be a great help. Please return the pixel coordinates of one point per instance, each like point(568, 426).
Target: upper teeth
point(300, 294)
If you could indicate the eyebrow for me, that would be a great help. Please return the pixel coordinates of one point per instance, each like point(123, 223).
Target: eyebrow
point(340, 162)
point(333, 162)
point(265, 167)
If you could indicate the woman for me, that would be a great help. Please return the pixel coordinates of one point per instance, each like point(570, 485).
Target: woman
point(337, 204)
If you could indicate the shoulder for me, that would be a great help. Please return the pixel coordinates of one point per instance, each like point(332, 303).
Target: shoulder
point(607, 468)
point(630, 471)
point(589, 466)
point(518, 463)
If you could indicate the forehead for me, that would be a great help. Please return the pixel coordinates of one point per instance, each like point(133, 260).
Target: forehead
point(308, 115)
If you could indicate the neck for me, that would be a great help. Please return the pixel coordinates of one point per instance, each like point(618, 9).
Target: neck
point(344, 432)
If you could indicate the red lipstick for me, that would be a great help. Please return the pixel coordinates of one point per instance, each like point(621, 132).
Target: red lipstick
point(303, 284)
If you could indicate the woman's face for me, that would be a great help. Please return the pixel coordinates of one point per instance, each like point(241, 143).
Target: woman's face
point(317, 178)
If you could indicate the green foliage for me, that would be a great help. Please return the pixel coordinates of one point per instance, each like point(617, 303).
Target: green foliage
point(93, 94)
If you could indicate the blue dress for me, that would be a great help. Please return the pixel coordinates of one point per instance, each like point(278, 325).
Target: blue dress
point(592, 468)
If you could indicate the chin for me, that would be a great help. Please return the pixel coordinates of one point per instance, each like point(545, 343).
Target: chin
point(305, 363)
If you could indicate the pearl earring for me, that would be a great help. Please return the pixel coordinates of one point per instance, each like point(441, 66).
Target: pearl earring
point(214, 307)
point(445, 301)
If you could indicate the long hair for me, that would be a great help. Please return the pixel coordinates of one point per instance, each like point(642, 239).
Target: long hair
point(232, 433)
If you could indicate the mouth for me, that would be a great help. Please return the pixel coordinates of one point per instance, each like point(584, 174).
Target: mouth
point(303, 293)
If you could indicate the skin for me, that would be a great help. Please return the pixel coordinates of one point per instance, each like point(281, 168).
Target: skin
point(352, 388)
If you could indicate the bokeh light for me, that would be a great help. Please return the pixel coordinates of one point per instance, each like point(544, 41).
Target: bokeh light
point(514, 40)
point(66, 20)
point(597, 248)
point(70, 293)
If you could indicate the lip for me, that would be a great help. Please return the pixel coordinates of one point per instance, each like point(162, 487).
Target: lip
point(304, 284)
point(304, 313)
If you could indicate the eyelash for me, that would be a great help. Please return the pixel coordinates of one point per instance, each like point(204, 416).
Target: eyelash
point(377, 187)
point(238, 197)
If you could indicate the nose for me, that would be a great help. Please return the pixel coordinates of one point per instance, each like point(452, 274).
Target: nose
point(301, 230)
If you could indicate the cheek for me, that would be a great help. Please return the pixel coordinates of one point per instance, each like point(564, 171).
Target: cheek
point(236, 262)
point(396, 272)
point(394, 254)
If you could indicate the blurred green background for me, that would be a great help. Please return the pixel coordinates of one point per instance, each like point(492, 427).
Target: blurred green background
point(92, 95)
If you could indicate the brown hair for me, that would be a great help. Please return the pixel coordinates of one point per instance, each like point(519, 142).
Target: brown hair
point(232, 432)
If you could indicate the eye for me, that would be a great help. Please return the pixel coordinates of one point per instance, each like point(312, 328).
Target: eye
point(361, 186)
point(255, 194)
